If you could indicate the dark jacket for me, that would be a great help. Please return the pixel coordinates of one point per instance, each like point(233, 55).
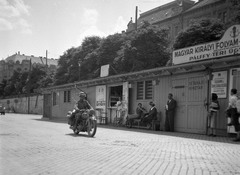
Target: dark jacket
point(153, 113)
point(83, 104)
point(172, 105)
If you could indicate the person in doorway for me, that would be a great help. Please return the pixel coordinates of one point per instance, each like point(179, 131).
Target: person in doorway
point(140, 114)
point(212, 114)
point(232, 111)
point(119, 112)
point(82, 103)
point(170, 112)
point(152, 115)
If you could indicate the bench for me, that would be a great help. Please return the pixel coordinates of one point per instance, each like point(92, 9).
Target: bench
point(155, 123)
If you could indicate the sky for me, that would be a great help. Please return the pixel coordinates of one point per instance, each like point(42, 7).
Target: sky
point(34, 27)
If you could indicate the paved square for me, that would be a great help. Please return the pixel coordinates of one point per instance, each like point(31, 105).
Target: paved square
point(31, 145)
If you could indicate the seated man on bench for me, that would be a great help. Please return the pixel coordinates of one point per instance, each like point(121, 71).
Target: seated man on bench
point(141, 112)
point(152, 115)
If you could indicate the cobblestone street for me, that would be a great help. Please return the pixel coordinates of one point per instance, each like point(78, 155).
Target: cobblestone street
point(31, 145)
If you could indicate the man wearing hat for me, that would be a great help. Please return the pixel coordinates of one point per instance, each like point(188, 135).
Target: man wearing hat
point(82, 103)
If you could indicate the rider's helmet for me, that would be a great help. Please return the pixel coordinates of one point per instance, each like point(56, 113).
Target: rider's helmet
point(82, 94)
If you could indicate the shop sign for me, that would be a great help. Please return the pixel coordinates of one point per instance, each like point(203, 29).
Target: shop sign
point(219, 84)
point(194, 85)
point(104, 70)
point(101, 97)
point(227, 46)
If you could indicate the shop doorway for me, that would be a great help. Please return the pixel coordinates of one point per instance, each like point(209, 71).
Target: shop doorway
point(47, 106)
point(190, 92)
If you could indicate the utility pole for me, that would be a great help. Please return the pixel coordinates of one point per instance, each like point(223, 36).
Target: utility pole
point(46, 60)
point(28, 85)
point(136, 15)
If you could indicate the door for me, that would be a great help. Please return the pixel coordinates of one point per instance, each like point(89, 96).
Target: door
point(190, 92)
point(47, 106)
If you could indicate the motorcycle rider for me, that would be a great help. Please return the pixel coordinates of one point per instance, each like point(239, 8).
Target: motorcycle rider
point(82, 103)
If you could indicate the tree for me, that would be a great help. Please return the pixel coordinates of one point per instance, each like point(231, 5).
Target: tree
point(64, 65)
point(77, 63)
point(2, 86)
point(235, 11)
point(108, 52)
point(200, 31)
point(145, 48)
point(88, 57)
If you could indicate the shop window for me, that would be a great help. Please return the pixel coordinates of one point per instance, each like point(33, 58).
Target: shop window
point(67, 96)
point(144, 90)
point(115, 93)
point(55, 98)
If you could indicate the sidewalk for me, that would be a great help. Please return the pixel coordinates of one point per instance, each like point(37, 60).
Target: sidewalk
point(222, 139)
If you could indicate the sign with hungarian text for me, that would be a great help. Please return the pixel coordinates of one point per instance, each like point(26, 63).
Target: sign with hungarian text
point(228, 45)
point(219, 84)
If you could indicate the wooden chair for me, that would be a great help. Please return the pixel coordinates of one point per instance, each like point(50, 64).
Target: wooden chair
point(135, 120)
point(100, 118)
point(157, 123)
point(117, 118)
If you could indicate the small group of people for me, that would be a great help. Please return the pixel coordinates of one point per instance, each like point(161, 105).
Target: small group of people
point(147, 117)
point(231, 112)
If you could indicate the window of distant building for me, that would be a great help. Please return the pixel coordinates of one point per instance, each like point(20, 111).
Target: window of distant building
point(222, 16)
point(176, 30)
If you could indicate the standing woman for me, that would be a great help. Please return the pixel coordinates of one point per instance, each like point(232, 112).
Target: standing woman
point(212, 114)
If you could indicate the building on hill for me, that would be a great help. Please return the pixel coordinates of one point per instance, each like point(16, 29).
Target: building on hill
point(177, 14)
point(22, 63)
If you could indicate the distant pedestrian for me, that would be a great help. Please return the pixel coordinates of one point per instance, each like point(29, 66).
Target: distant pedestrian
point(233, 114)
point(212, 114)
point(170, 113)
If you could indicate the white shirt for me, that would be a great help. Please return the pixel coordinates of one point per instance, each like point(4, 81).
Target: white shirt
point(233, 101)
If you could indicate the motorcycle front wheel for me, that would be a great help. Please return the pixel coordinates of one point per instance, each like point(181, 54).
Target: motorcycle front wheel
point(76, 131)
point(92, 128)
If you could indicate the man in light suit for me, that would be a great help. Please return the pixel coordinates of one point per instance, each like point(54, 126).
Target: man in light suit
point(170, 112)
point(152, 115)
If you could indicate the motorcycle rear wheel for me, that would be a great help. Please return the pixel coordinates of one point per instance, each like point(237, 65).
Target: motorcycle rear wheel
point(92, 128)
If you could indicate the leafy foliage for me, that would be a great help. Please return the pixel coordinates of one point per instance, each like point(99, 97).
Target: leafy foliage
point(147, 48)
point(200, 31)
point(77, 63)
point(235, 11)
point(19, 83)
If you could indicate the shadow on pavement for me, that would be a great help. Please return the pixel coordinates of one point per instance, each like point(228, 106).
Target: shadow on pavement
point(78, 135)
point(63, 121)
point(203, 137)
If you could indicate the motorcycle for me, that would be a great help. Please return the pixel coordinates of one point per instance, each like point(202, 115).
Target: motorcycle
point(87, 124)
